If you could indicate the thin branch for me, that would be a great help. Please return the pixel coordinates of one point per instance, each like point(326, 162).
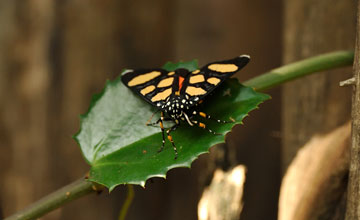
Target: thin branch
point(348, 82)
point(127, 203)
point(56, 199)
point(301, 68)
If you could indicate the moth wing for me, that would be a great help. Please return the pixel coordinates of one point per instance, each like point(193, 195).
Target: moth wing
point(201, 83)
point(153, 85)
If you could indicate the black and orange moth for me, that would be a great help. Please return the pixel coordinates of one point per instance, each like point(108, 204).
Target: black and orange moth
point(177, 93)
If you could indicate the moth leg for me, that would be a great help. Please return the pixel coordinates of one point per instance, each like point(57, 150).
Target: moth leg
point(154, 124)
point(202, 125)
point(173, 128)
point(149, 120)
point(204, 115)
point(160, 121)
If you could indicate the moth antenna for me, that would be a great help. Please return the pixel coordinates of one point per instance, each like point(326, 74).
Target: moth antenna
point(126, 71)
point(148, 121)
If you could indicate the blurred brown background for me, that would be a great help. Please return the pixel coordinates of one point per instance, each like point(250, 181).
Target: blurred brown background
point(54, 55)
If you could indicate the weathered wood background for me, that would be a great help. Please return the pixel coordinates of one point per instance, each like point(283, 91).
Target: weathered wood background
point(54, 55)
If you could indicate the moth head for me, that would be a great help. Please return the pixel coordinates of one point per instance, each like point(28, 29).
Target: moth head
point(182, 72)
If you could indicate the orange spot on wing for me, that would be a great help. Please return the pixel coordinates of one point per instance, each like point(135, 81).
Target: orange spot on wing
point(181, 80)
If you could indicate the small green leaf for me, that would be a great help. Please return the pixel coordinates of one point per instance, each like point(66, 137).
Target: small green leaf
point(121, 149)
point(190, 65)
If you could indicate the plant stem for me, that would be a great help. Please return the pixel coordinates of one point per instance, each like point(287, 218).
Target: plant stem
point(56, 199)
point(301, 68)
point(127, 203)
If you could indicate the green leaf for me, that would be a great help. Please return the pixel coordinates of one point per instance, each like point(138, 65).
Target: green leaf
point(121, 149)
point(190, 65)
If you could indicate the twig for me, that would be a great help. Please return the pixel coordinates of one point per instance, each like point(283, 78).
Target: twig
point(56, 199)
point(348, 82)
point(127, 203)
point(301, 68)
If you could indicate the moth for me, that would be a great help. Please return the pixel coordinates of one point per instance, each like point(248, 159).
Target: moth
point(177, 94)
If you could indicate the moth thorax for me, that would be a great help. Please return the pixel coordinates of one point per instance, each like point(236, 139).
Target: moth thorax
point(174, 106)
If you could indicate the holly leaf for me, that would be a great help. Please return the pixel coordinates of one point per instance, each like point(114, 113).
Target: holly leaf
point(121, 149)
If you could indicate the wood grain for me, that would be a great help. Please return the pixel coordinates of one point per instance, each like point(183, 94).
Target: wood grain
point(314, 182)
point(315, 104)
point(353, 196)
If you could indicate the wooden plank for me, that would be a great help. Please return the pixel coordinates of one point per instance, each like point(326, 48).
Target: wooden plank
point(353, 195)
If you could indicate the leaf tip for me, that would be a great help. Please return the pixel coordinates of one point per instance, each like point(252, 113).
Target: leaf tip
point(142, 184)
point(111, 188)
